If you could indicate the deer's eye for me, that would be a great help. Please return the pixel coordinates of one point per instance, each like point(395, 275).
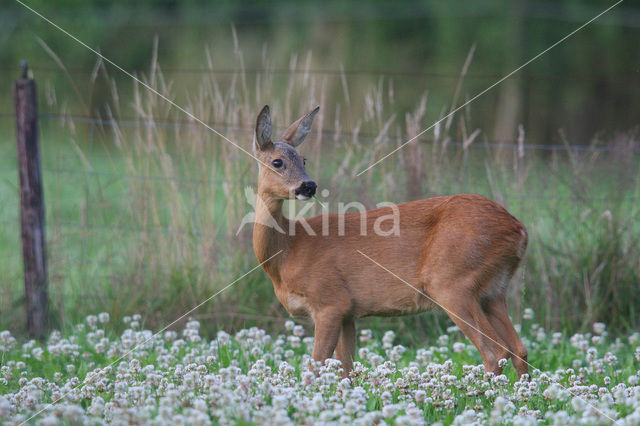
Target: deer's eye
point(304, 161)
point(277, 163)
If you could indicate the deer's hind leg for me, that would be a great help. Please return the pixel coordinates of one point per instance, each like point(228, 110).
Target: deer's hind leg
point(494, 304)
point(465, 311)
point(499, 318)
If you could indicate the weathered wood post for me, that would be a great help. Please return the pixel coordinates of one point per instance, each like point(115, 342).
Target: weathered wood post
point(31, 205)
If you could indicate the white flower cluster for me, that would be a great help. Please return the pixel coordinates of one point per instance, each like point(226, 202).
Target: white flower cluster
point(252, 377)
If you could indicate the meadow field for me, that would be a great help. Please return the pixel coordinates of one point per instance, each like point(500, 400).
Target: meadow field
point(98, 376)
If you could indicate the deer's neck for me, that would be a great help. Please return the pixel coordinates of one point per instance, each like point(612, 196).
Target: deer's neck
point(270, 233)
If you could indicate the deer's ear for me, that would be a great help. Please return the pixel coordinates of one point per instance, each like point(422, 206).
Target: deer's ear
point(295, 134)
point(263, 129)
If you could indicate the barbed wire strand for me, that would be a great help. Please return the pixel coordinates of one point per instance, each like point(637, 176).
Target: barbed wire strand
point(361, 136)
point(630, 76)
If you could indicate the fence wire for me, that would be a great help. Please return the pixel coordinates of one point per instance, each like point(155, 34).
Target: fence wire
point(630, 77)
point(326, 132)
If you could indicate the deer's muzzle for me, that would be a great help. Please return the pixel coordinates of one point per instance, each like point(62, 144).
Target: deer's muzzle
point(306, 190)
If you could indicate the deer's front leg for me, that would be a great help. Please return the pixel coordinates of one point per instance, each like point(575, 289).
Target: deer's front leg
point(328, 323)
point(346, 349)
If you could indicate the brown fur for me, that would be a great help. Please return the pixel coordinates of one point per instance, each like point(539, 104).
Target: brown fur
point(461, 251)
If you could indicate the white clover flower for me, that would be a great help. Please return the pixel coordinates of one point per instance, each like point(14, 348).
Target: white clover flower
point(423, 356)
point(453, 329)
point(170, 335)
point(104, 317)
point(528, 314)
point(7, 341)
point(288, 325)
point(386, 397)
point(200, 405)
point(578, 404)
point(500, 403)
point(541, 335)
point(92, 321)
point(465, 418)
point(443, 340)
point(345, 420)
point(298, 331)
point(610, 358)
point(223, 338)
point(366, 336)
point(551, 392)
point(294, 341)
point(192, 324)
point(49, 420)
point(388, 338)
point(459, 347)
point(390, 410)
point(576, 363)
point(599, 327)
point(396, 353)
point(96, 408)
point(363, 352)
point(606, 399)
point(351, 407)
point(500, 380)
point(420, 396)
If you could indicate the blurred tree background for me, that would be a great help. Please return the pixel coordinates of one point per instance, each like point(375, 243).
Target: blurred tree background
point(586, 86)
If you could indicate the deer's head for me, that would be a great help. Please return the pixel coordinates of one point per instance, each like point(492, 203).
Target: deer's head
point(285, 177)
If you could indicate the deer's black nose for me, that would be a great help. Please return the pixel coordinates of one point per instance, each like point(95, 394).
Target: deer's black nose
point(307, 189)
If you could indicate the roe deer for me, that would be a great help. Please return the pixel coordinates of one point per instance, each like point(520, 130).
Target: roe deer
point(458, 252)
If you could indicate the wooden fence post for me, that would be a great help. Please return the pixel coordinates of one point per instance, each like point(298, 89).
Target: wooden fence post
point(31, 205)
